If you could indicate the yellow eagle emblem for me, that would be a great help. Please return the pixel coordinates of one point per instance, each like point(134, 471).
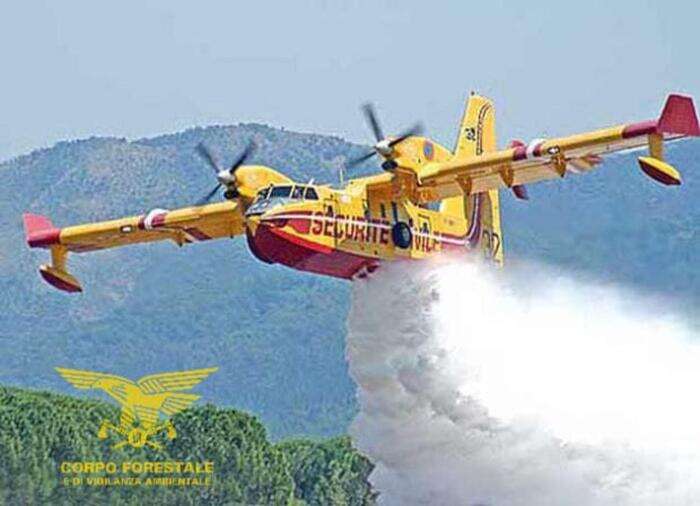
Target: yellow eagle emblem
point(145, 404)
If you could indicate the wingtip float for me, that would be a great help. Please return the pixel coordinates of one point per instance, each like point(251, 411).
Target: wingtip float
point(678, 119)
point(659, 171)
point(348, 232)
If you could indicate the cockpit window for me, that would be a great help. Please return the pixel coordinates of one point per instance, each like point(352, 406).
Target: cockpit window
point(298, 192)
point(281, 192)
point(311, 194)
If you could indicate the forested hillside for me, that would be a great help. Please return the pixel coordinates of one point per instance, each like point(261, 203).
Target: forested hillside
point(277, 335)
point(39, 431)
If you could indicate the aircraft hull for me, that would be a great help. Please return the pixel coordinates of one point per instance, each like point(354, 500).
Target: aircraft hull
point(275, 245)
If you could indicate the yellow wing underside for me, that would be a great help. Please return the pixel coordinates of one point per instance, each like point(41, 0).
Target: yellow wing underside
point(467, 173)
point(186, 225)
point(522, 165)
point(182, 226)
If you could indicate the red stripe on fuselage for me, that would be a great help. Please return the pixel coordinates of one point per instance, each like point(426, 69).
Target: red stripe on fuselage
point(374, 230)
point(276, 245)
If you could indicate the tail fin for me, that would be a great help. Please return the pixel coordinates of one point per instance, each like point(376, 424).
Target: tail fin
point(477, 135)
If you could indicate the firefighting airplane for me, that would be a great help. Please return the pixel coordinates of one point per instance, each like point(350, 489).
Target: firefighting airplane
point(427, 199)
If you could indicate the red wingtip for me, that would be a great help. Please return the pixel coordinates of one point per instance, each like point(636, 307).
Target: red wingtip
point(679, 116)
point(36, 223)
point(39, 231)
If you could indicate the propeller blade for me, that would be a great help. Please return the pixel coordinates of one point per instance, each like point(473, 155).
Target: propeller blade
point(204, 152)
point(416, 129)
point(246, 153)
point(208, 196)
point(371, 117)
point(359, 160)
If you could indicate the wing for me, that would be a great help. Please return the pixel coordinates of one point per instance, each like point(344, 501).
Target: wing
point(83, 380)
point(546, 159)
point(182, 226)
point(173, 381)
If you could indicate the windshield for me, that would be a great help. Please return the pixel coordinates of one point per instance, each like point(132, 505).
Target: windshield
point(297, 192)
point(281, 192)
point(262, 194)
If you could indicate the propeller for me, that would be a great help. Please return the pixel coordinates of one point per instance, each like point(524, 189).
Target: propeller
point(226, 177)
point(384, 146)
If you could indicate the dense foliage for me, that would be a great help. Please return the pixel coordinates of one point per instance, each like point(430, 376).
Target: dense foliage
point(39, 431)
point(276, 335)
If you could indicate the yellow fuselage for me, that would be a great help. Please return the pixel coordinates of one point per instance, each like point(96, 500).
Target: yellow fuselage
point(347, 232)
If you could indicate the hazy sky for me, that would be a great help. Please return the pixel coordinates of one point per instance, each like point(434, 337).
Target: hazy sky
point(74, 69)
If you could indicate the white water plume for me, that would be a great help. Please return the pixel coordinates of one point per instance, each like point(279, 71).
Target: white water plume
point(521, 387)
